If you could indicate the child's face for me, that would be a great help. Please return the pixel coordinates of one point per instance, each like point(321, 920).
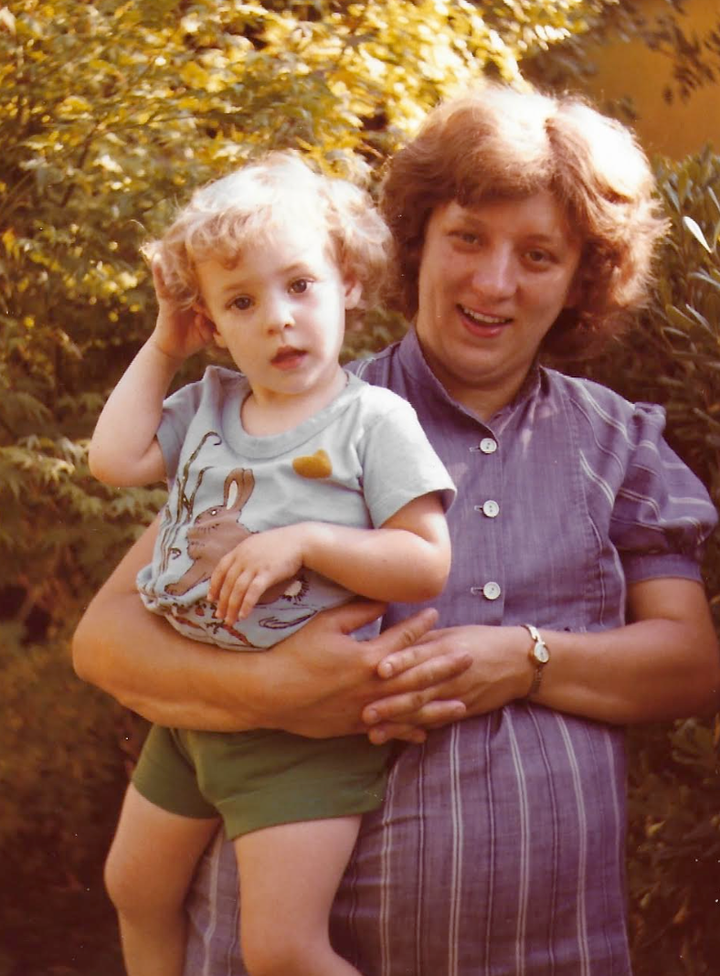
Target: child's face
point(280, 311)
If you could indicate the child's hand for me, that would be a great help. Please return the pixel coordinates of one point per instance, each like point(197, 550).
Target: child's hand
point(179, 333)
point(247, 571)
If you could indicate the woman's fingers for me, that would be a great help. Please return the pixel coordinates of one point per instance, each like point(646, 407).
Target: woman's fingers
point(420, 687)
point(413, 727)
point(414, 707)
point(433, 660)
point(403, 635)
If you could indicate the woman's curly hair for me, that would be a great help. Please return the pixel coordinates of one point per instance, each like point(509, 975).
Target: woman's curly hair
point(235, 212)
point(501, 142)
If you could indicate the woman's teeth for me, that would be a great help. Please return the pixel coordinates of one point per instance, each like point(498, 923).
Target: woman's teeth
point(482, 319)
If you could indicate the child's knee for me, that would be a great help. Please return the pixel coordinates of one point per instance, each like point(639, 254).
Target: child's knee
point(133, 893)
point(282, 955)
point(121, 883)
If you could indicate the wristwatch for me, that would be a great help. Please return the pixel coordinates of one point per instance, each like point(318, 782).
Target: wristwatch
point(539, 656)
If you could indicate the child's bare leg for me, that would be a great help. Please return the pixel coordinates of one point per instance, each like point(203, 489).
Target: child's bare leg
point(288, 877)
point(147, 874)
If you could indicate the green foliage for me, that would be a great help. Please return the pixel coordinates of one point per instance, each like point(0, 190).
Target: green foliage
point(674, 847)
point(61, 777)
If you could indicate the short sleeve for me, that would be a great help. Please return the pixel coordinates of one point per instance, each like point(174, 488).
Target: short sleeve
point(662, 515)
point(398, 462)
point(199, 403)
point(178, 412)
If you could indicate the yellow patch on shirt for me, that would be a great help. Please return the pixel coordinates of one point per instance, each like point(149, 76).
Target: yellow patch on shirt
point(317, 465)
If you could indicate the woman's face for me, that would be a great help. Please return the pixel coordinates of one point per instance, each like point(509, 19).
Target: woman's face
point(493, 279)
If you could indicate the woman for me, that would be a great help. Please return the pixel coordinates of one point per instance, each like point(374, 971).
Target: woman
point(525, 224)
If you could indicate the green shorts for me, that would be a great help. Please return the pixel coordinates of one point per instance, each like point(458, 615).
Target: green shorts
point(262, 778)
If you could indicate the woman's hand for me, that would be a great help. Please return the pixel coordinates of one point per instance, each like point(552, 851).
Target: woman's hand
point(327, 677)
point(499, 672)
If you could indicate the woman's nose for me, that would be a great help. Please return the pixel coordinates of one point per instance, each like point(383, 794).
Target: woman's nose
point(494, 275)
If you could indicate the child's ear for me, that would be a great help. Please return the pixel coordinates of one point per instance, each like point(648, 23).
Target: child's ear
point(201, 309)
point(353, 293)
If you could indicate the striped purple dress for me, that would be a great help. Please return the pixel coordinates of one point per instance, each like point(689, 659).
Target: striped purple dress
point(499, 850)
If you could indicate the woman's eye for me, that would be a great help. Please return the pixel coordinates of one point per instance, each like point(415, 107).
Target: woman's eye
point(242, 303)
point(467, 237)
point(299, 286)
point(537, 256)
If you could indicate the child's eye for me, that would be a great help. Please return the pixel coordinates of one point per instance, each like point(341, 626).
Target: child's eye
point(242, 303)
point(299, 286)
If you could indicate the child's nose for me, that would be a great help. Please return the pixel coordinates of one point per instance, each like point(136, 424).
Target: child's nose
point(279, 315)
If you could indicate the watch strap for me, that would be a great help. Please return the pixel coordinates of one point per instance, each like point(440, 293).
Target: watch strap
point(539, 655)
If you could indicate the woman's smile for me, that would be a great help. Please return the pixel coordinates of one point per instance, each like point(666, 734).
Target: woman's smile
point(482, 324)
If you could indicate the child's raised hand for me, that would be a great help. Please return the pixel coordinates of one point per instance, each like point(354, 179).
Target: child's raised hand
point(257, 563)
point(179, 332)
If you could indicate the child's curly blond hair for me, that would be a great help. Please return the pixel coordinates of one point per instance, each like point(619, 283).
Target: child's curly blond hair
point(236, 211)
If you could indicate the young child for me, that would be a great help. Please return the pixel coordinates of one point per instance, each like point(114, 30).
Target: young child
point(293, 487)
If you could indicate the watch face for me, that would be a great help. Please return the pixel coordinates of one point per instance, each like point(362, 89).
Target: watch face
point(540, 653)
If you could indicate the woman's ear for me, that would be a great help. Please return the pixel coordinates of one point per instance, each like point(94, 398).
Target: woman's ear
point(353, 293)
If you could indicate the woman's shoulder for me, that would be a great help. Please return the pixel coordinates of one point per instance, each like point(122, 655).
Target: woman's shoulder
point(598, 406)
point(375, 367)
point(377, 400)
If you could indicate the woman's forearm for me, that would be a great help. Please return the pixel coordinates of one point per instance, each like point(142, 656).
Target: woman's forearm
point(662, 666)
point(142, 662)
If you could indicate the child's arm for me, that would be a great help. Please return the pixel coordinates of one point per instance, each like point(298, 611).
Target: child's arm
point(124, 450)
point(406, 559)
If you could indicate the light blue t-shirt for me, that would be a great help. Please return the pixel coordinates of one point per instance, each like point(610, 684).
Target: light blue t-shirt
point(355, 463)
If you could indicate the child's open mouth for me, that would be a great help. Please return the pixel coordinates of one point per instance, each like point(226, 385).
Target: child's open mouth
point(288, 358)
